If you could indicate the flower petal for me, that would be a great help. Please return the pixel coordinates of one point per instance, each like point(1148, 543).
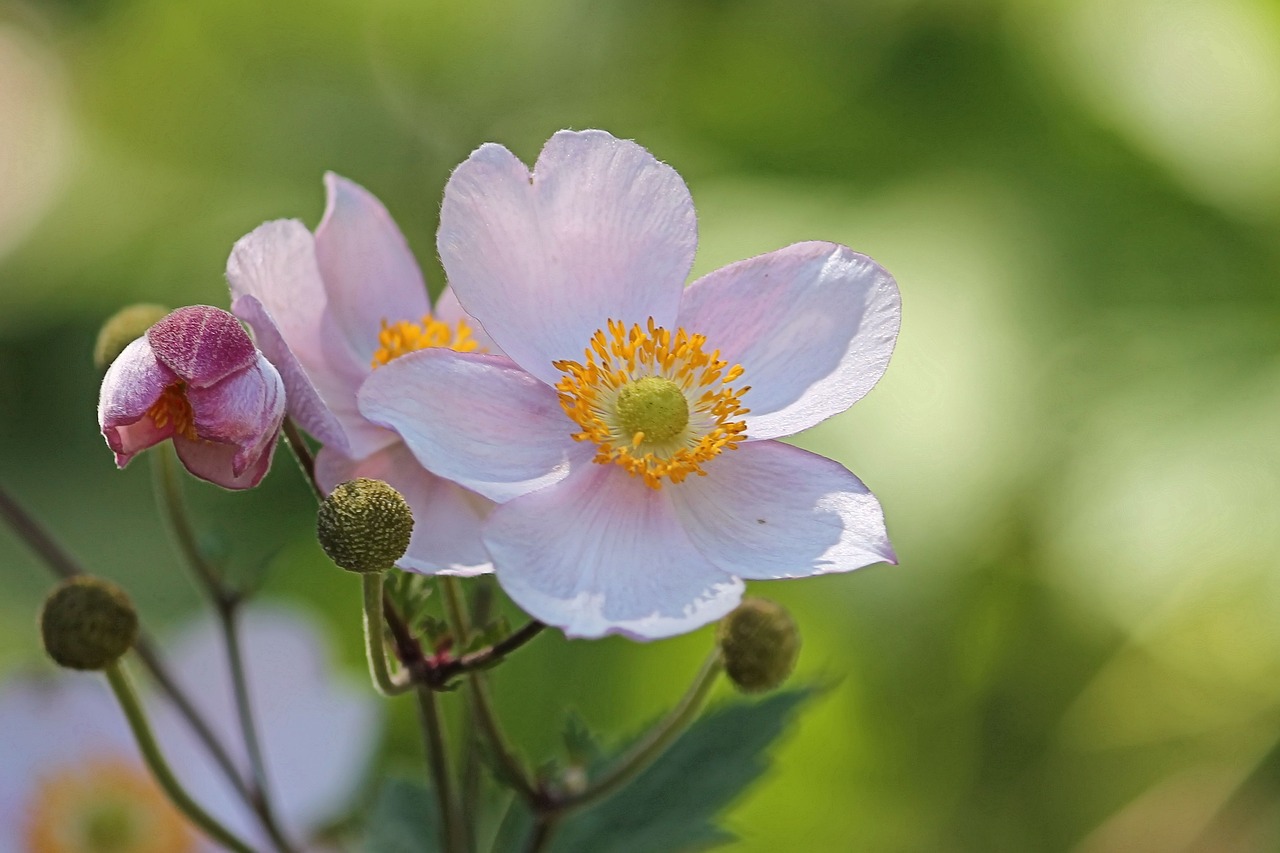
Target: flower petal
point(812, 325)
point(601, 553)
point(303, 398)
point(202, 344)
point(317, 731)
point(368, 271)
point(449, 310)
point(131, 386)
point(216, 463)
point(244, 410)
point(770, 510)
point(600, 229)
point(446, 517)
point(475, 419)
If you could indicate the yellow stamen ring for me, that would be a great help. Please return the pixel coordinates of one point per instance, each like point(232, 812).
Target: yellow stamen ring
point(103, 805)
point(172, 408)
point(402, 337)
point(653, 402)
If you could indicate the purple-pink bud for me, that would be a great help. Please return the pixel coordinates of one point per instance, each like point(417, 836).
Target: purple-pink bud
point(195, 377)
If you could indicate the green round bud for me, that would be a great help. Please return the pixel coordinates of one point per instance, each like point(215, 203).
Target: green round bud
point(123, 328)
point(88, 623)
point(364, 525)
point(759, 644)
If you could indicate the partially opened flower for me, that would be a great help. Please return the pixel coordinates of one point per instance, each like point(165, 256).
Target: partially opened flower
point(195, 377)
point(330, 308)
point(72, 781)
point(630, 432)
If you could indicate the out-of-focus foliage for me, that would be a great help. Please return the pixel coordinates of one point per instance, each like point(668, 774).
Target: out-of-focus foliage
point(1075, 444)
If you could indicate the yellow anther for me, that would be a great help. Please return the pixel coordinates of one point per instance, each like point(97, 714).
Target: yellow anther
point(401, 337)
point(172, 408)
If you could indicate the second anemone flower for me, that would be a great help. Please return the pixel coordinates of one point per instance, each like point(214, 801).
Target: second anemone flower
point(331, 308)
point(629, 432)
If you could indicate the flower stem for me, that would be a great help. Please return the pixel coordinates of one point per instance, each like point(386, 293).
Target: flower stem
point(63, 565)
point(302, 453)
point(137, 717)
point(438, 762)
point(486, 719)
point(375, 646)
point(226, 604)
point(654, 743)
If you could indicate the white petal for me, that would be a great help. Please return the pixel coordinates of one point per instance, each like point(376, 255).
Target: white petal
point(475, 419)
point(813, 326)
point(602, 553)
point(368, 271)
point(599, 230)
point(446, 517)
point(770, 510)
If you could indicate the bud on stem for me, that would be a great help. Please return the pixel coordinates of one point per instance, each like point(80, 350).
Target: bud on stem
point(88, 623)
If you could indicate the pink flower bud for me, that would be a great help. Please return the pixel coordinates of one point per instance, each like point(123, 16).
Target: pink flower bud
point(197, 378)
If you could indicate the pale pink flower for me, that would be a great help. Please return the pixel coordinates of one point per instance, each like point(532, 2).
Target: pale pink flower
point(577, 270)
point(71, 764)
point(195, 377)
point(330, 308)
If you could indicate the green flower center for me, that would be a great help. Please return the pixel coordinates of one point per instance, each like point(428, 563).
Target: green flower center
point(111, 827)
point(655, 406)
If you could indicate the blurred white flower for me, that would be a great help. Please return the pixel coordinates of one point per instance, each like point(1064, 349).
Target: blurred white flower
point(71, 779)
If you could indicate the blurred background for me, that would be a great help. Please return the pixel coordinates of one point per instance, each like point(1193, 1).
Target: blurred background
point(1075, 444)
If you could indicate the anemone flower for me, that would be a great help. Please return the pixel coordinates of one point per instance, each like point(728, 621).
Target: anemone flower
point(72, 781)
point(196, 378)
point(629, 431)
point(329, 309)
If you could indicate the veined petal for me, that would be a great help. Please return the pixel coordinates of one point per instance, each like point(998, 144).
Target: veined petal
point(600, 553)
point(449, 310)
point(244, 410)
point(304, 399)
point(598, 230)
point(368, 271)
point(770, 510)
point(446, 517)
point(131, 386)
point(813, 326)
point(201, 344)
point(478, 420)
point(216, 462)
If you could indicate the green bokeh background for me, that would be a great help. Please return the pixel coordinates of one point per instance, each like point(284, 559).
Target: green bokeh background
point(1075, 444)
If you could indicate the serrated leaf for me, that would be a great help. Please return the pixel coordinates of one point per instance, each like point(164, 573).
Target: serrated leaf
point(579, 742)
point(404, 819)
point(672, 805)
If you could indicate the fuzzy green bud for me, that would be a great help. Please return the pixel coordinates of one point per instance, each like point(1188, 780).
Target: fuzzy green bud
point(88, 623)
point(123, 328)
point(759, 644)
point(364, 525)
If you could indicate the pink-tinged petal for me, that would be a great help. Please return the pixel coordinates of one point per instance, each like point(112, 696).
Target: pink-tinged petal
point(132, 385)
point(813, 326)
point(446, 517)
point(244, 410)
point(216, 462)
point(769, 510)
point(599, 230)
point(305, 404)
point(318, 731)
point(368, 271)
point(602, 553)
point(201, 344)
point(449, 310)
point(475, 419)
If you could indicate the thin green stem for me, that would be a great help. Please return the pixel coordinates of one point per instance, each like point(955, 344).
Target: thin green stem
point(302, 453)
point(64, 565)
point(487, 720)
point(374, 644)
point(654, 743)
point(151, 754)
point(226, 604)
point(438, 762)
point(543, 827)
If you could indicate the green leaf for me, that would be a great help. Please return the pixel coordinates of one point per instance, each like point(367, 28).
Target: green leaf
point(579, 742)
point(672, 805)
point(404, 819)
